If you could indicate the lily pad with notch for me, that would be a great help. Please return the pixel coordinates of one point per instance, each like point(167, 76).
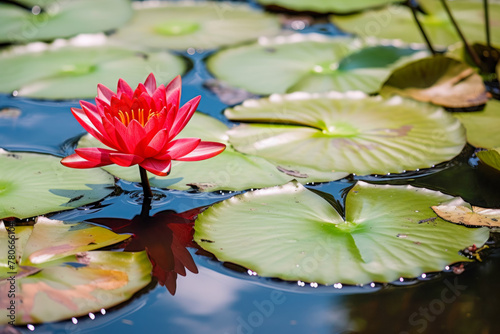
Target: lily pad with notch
point(198, 25)
point(311, 63)
point(348, 132)
point(59, 274)
point(71, 71)
point(322, 6)
point(291, 233)
point(31, 20)
point(397, 22)
point(34, 184)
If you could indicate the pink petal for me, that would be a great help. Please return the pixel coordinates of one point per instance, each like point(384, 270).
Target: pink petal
point(95, 154)
point(157, 143)
point(125, 160)
point(159, 97)
point(181, 147)
point(173, 92)
point(116, 141)
point(135, 134)
point(124, 88)
point(88, 125)
point(157, 167)
point(141, 89)
point(150, 84)
point(184, 115)
point(76, 161)
point(104, 93)
point(205, 150)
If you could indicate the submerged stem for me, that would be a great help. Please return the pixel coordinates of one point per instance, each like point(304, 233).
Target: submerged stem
point(145, 183)
point(487, 22)
point(470, 51)
point(424, 35)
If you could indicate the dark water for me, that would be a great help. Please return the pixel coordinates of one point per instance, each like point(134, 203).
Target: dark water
point(228, 300)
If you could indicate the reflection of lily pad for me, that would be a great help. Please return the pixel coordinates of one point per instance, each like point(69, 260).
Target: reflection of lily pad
point(204, 25)
point(74, 72)
point(59, 277)
point(291, 233)
point(231, 170)
point(482, 126)
point(330, 6)
point(52, 19)
point(460, 212)
point(441, 80)
point(311, 63)
point(397, 22)
point(490, 157)
point(346, 132)
point(34, 184)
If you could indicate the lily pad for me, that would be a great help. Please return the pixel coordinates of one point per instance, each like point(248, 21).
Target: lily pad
point(71, 71)
point(397, 22)
point(200, 25)
point(50, 19)
point(292, 233)
point(311, 63)
point(441, 80)
point(346, 132)
point(323, 6)
point(460, 212)
point(490, 157)
point(34, 184)
point(58, 276)
point(230, 170)
point(482, 126)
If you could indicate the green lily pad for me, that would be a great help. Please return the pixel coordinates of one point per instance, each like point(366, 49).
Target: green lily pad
point(490, 157)
point(346, 132)
point(52, 19)
point(441, 80)
point(326, 6)
point(292, 233)
point(58, 276)
point(311, 63)
point(35, 184)
point(71, 71)
point(200, 25)
point(482, 126)
point(230, 170)
point(397, 22)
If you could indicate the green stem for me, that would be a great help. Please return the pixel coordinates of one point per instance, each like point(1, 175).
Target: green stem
point(470, 51)
point(422, 31)
point(145, 183)
point(487, 22)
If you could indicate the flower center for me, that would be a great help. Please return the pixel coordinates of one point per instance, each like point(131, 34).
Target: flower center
point(140, 115)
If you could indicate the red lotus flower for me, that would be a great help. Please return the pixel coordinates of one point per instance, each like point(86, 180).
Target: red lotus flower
point(139, 127)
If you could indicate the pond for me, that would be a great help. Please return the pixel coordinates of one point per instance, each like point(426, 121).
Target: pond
point(206, 295)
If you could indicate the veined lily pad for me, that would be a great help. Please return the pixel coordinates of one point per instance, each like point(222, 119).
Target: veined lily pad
point(490, 157)
point(70, 71)
point(57, 276)
point(397, 22)
point(34, 184)
point(346, 132)
point(326, 6)
point(441, 80)
point(311, 63)
point(50, 19)
point(231, 170)
point(292, 233)
point(482, 126)
point(205, 25)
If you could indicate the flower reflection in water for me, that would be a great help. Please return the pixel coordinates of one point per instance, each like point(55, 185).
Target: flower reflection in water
point(165, 237)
